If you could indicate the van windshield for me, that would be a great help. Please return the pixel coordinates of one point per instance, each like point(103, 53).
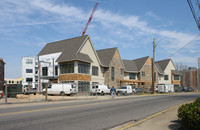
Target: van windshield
point(94, 87)
point(73, 86)
point(25, 86)
point(49, 86)
point(123, 87)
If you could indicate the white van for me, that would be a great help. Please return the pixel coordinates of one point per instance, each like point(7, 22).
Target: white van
point(125, 90)
point(60, 88)
point(100, 89)
point(165, 88)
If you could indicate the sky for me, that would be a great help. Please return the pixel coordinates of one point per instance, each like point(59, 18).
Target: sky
point(26, 26)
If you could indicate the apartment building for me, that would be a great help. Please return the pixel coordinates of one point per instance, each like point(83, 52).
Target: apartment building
point(71, 61)
point(30, 71)
point(2, 73)
point(139, 72)
point(189, 77)
point(76, 61)
point(167, 73)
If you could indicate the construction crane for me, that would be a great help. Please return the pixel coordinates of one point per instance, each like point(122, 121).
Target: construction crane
point(95, 7)
point(195, 13)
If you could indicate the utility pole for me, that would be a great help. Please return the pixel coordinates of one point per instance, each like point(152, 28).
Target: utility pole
point(153, 64)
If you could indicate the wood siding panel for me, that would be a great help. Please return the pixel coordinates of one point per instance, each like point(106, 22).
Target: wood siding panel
point(73, 77)
point(117, 56)
point(149, 62)
point(176, 82)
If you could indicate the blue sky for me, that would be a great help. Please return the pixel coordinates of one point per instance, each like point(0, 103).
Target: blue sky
point(27, 25)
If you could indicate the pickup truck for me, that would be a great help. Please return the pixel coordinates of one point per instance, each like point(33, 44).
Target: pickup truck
point(125, 90)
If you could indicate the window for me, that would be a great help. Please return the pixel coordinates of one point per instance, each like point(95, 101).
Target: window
point(9, 81)
point(112, 73)
point(67, 68)
point(95, 70)
point(36, 71)
point(44, 71)
point(29, 61)
point(176, 77)
point(83, 86)
point(12, 82)
point(83, 68)
point(29, 79)
point(29, 70)
point(166, 77)
point(121, 71)
point(132, 75)
point(143, 74)
point(56, 70)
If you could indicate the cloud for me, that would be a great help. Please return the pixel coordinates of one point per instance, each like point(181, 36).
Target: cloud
point(117, 29)
point(154, 16)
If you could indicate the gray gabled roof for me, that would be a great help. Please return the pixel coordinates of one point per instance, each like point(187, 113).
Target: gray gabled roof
point(68, 48)
point(134, 65)
point(106, 55)
point(161, 65)
point(175, 72)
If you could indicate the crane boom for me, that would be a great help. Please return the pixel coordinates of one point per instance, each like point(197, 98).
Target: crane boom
point(95, 7)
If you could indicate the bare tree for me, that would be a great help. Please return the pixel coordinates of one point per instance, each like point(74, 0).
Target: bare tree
point(180, 66)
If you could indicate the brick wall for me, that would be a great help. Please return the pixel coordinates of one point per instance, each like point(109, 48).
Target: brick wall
point(117, 64)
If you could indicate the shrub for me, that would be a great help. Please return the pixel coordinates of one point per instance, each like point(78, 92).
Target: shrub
point(189, 115)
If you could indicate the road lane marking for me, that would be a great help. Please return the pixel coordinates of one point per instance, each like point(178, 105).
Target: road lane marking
point(149, 117)
point(55, 108)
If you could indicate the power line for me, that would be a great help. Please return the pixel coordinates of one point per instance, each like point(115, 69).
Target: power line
point(184, 45)
point(182, 28)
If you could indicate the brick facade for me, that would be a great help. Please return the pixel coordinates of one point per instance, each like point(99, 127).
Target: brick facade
point(147, 69)
point(118, 68)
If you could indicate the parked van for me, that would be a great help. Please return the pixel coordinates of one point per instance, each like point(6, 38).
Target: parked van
point(60, 89)
point(125, 90)
point(165, 88)
point(100, 89)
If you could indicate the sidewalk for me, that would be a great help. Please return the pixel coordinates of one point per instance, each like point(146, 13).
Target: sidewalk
point(165, 121)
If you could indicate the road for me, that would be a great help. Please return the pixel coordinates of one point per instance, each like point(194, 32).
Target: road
point(86, 115)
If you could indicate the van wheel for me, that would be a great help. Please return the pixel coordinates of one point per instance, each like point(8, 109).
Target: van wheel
point(44, 93)
point(102, 93)
point(62, 94)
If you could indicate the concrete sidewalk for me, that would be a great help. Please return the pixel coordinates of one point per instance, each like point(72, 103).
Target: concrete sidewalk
point(165, 121)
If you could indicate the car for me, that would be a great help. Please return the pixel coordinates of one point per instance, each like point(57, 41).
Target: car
point(30, 91)
point(100, 89)
point(138, 90)
point(125, 90)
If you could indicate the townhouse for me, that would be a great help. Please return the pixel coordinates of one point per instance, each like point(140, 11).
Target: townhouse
point(76, 61)
point(71, 61)
point(138, 72)
point(167, 73)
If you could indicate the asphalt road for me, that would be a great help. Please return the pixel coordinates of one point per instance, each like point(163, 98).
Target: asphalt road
point(86, 115)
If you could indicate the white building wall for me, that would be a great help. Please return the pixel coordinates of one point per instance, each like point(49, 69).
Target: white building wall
point(30, 63)
point(167, 71)
point(88, 49)
point(47, 61)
